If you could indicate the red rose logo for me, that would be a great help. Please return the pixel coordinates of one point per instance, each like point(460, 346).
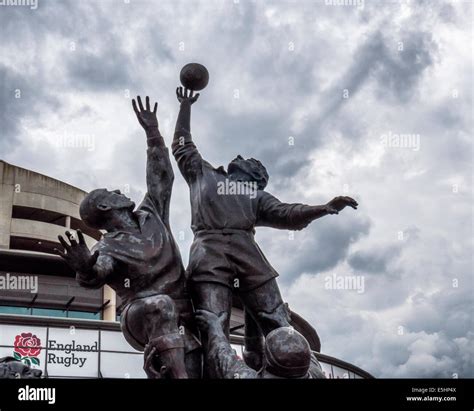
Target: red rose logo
point(27, 348)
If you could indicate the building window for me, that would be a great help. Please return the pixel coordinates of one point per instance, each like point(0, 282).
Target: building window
point(49, 312)
point(4, 309)
point(55, 293)
point(46, 312)
point(37, 214)
point(84, 314)
point(33, 244)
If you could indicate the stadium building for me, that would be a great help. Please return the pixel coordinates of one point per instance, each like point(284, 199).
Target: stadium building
point(50, 322)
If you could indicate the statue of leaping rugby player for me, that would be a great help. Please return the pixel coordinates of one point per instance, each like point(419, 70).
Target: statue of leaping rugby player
point(224, 257)
point(139, 258)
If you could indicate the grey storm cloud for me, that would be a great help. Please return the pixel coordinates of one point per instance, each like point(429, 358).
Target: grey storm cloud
point(402, 65)
point(318, 248)
point(105, 69)
point(373, 260)
point(279, 70)
point(396, 74)
point(10, 112)
point(22, 98)
point(330, 242)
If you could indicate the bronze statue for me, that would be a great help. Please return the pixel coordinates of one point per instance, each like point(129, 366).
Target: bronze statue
point(139, 258)
point(224, 257)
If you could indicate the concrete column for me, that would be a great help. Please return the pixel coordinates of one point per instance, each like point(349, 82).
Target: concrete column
point(68, 221)
point(6, 205)
point(111, 308)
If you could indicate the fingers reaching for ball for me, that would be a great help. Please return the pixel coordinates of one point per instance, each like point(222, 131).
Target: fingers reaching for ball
point(185, 95)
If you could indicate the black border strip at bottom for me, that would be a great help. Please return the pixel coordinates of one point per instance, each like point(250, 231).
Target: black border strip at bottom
point(380, 394)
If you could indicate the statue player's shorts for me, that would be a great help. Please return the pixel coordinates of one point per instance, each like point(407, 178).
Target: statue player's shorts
point(133, 326)
point(229, 257)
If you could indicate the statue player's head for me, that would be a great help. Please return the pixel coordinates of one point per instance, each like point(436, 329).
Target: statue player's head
point(10, 368)
point(102, 209)
point(250, 170)
point(287, 354)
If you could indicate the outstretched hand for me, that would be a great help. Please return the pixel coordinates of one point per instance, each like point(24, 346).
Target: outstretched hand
point(339, 203)
point(76, 254)
point(145, 116)
point(186, 96)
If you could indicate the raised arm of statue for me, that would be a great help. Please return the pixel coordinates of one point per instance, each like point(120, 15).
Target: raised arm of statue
point(184, 150)
point(159, 173)
point(273, 213)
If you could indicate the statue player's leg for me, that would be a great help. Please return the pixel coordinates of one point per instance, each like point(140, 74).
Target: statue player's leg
point(216, 298)
point(193, 363)
point(264, 311)
point(253, 342)
point(213, 297)
point(153, 321)
point(266, 306)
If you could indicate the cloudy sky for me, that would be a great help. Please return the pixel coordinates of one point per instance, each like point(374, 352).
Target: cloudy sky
point(321, 93)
